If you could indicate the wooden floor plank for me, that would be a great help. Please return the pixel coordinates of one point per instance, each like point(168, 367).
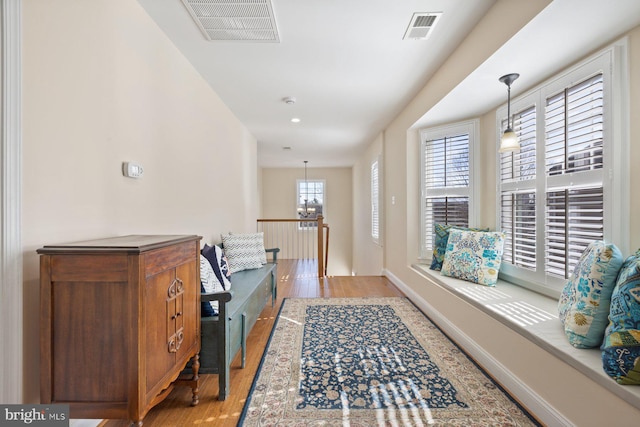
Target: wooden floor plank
point(295, 279)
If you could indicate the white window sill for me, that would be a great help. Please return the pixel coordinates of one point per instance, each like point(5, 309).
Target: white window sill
point(534, 316)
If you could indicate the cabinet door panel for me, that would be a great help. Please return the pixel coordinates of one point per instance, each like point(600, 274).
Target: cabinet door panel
point(91, 366)
point(189, 305)
point(159, 308)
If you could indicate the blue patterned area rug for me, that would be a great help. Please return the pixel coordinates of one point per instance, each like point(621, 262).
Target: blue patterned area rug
point(370, 362)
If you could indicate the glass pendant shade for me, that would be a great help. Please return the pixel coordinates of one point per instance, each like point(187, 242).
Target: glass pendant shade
point(509, 141)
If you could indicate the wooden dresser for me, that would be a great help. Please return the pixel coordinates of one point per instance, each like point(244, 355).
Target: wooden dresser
point(120, 319)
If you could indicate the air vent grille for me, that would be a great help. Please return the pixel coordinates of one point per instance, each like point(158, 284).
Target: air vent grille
point(235, 20)
point(421, 26)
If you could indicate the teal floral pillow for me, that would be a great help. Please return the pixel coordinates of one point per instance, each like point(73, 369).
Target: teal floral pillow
point(621, 346)
point(584, 304)
point(441, 237)
point(474, 256)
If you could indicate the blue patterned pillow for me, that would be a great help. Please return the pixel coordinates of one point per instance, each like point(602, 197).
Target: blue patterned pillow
point(584, 304)
point(621, 346)
point(441, 234)
point(474, 256)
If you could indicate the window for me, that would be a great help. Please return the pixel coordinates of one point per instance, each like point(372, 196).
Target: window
point(310, 204)
point(553, 193)
point(518, 195)
point(375, 202)
point(447, 179)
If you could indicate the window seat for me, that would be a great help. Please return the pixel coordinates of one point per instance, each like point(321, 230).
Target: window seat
point(534, 316)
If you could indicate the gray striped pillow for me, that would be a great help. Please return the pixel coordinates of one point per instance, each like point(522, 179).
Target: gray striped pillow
point(244, 251)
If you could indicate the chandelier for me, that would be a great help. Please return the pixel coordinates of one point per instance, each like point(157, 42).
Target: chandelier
point(306, 211)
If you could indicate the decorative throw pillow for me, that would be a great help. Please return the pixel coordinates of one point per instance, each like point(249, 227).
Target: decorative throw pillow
point(218, 261)
point(258, 241)
point(441, 232)
point(584, 303)
point(621, 346)
point(244, 251)
point(209, 283)
point(474, 256)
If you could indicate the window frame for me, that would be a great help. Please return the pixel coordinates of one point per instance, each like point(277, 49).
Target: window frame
point(311, 225)
point(472, 128)
point(611, 62)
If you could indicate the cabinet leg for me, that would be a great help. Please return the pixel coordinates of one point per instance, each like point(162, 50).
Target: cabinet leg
point(195, 367)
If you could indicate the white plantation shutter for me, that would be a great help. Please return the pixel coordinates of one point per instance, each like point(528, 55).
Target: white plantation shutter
point(517, 195)
point(446, 183)
point(375, 207)
point(574, 219)
point(447, 162)
point(568, 186)
point(519, 224)
point(573, 128)
point(573, 161)
point(521, 165)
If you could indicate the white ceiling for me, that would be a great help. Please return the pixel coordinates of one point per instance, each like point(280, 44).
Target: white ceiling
point(351, 73)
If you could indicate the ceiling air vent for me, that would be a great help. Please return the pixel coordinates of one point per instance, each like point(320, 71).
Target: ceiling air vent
point(234, 20)
point(421, 25)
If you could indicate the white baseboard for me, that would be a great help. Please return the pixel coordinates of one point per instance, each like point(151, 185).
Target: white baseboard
point(531, 400)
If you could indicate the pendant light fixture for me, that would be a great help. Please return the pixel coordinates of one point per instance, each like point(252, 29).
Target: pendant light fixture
point(509, 140)
point(306, 212)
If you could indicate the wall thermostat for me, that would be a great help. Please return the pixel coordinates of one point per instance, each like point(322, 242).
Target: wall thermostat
point(132, 169)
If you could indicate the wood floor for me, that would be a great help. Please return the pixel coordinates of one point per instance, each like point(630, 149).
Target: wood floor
point(295, 279)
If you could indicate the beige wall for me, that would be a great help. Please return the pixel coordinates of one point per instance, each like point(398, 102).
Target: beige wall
point(103, 85)
point(279, 202)
point(368, 256)
point(634, 140)
point(526, 361)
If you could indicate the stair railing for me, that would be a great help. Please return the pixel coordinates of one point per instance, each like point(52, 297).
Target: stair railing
point(298, 239)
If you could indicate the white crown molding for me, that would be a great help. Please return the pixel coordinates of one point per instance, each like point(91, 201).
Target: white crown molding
point(11, 284)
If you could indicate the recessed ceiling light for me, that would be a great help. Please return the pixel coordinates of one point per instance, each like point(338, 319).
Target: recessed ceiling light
point(295, 120)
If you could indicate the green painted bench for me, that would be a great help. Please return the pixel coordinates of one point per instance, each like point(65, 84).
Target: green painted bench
point(238, 310)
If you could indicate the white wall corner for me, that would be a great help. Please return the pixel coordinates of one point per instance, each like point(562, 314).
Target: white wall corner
point(11, 285)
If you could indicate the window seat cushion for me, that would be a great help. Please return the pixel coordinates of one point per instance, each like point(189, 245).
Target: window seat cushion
point(534, 316)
